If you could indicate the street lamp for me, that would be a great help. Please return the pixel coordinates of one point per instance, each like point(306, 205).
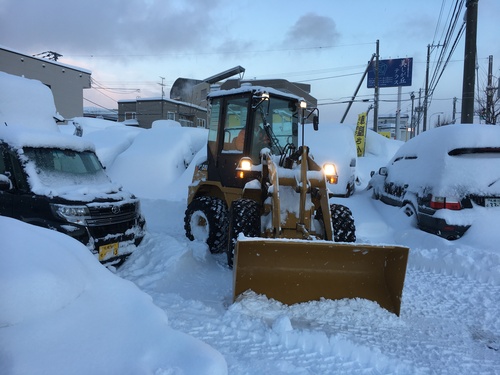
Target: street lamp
point(436, 113)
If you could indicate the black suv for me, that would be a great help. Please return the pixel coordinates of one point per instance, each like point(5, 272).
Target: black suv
point(56, 181)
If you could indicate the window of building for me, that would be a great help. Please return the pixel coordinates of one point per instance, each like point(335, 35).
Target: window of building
point(201, 123)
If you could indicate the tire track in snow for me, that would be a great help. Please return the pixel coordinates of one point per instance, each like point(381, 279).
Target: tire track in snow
point(444, 315)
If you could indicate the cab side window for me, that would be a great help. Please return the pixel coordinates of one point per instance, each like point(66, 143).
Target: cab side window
point(234, 126)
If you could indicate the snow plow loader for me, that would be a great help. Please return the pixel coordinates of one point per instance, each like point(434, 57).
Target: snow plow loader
point(264, 201)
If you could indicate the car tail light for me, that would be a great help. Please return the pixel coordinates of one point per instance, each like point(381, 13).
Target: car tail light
point(445, 202)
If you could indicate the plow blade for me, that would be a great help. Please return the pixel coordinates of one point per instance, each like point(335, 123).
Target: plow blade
point(294, 271)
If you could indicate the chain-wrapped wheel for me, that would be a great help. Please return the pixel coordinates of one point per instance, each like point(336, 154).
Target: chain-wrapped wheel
point(244, 217)
point(206, 219)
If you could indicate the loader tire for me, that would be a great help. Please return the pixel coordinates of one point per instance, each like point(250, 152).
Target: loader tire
point(206, 219)
point(344, 229)
point(244, 217)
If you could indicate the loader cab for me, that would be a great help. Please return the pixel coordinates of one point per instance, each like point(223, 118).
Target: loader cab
point(242, 122)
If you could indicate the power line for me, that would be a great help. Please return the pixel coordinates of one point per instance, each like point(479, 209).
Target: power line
point(439, 21)
point(331, 77)
point(226, 52)
point(100, 106)
point(441, 64)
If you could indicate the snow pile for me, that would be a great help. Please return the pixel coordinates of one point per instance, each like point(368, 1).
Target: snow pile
point(37, 111)
point(80, 318)
point(157, 158)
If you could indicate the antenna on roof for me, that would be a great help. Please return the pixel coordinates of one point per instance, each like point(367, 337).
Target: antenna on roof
point(51, 55)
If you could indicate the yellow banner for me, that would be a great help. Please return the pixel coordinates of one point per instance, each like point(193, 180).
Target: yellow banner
point(360, 134)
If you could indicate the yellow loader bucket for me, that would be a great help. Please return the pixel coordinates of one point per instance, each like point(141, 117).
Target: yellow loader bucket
point(294, 271)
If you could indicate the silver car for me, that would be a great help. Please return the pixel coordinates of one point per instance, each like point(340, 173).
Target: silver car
point(446, 177)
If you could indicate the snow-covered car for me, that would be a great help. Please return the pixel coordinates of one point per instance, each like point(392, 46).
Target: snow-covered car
point(339, 149)
point(56, 181)
point(446, 177)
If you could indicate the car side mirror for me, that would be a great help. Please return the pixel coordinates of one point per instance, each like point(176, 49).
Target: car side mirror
point(382, 171)
point(372, 173)
point(5, 183)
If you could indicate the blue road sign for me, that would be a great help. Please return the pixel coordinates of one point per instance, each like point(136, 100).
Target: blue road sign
point(391, 73)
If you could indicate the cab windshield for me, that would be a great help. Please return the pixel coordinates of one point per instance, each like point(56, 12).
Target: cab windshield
point(281, 117)
point(57, 167)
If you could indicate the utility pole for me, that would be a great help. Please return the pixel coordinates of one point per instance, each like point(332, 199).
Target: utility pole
point(162, 84)
point(469, 62)
point(419, 111)
point(398, 114)
point(489, 92)
point(426, 94)
point(375, 101)
point(454, 120)
point(357, 89)
point(412, 120)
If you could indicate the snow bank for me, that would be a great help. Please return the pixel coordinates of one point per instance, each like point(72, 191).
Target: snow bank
point(80, 318)
point(156, 159)
point(26, 103)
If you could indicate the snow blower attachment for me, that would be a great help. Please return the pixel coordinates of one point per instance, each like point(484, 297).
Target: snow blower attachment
point(265, 202)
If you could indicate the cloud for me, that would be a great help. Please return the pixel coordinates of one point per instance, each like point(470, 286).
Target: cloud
point(113, 27)
point(312, 30)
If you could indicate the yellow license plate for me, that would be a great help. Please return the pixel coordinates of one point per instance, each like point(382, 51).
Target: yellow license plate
point(105, 251)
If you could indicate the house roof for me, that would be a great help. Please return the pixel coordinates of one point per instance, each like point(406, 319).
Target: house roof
point(46, 61)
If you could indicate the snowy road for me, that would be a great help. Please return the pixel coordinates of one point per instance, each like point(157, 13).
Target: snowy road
point(449, 316)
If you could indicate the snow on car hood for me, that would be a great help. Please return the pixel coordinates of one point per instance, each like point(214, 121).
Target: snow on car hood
point(425, 162)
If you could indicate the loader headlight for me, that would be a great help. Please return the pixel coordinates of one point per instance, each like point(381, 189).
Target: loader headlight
point(330, 172)
point(244, 167)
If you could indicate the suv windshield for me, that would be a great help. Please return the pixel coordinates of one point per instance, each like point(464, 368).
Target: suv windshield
point(56, 167)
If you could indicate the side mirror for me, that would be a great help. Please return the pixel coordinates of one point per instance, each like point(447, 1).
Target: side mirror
point(382, 171)
point(5, 183)
point(316, 122)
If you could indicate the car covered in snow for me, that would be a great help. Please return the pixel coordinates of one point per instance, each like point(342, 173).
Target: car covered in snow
point(56, 181)
point(445, 178)
point(339, 148)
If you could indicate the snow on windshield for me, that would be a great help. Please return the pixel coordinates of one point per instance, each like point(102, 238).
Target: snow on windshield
point(55, 182)
point(56, 167)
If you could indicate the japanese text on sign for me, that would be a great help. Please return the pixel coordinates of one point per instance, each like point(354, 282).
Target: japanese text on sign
point(360, 134)
point(391, 73)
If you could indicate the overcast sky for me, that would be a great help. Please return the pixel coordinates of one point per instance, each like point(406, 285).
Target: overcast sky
point(128, 45)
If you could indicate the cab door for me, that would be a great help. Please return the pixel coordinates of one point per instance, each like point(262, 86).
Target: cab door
point(232, 141)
